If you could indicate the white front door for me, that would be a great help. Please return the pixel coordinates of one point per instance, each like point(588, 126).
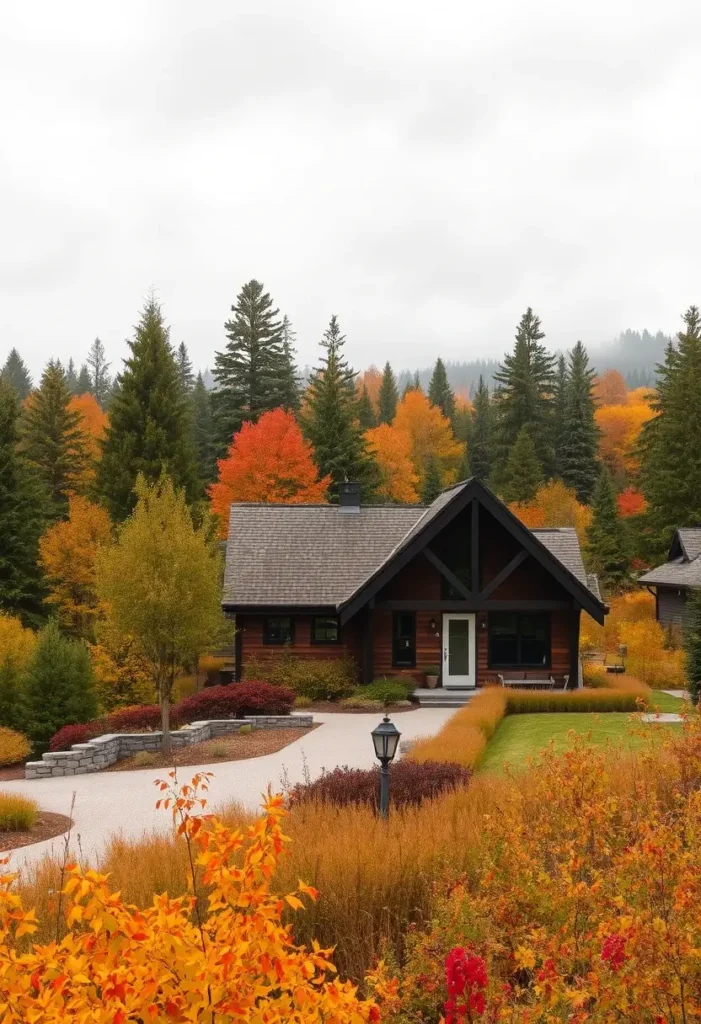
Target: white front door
point(459, 650)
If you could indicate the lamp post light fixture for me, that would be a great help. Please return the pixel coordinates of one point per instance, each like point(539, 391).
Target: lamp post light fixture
point(385, 738)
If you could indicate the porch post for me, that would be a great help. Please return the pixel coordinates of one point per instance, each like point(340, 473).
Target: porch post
point(369, 643)
point(574, 647)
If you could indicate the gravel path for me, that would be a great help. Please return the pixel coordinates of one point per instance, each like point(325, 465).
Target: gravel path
point(109, 802)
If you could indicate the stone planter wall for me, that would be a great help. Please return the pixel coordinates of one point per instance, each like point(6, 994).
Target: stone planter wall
point(106, 750)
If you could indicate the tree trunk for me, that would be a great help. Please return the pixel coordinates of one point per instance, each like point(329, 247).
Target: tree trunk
point(166, 744)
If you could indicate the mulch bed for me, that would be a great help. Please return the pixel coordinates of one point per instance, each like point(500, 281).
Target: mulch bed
point(329, 706)
point(48, 825)
point(12, 771)
point(229, 748)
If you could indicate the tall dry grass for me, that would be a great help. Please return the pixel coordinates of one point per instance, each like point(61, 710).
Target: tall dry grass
point(463, 738)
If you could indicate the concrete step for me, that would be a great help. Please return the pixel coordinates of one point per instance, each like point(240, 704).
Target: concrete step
point(443, 698)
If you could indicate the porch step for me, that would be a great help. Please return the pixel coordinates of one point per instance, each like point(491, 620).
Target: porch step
point(442, 698)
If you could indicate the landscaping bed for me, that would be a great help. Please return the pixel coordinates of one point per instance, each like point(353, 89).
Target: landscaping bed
point(48, 825)
point(334, 708)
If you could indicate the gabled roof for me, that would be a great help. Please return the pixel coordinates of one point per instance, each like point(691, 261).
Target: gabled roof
point(684, 566)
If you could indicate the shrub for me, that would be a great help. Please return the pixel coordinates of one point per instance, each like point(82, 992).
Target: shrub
point(236, 701)
point(463, 738)
point(389, 691)
point(315, 678)
point(14, 747)
point(623, 698)
point(70, 734)
point(303, 702)
point(141, 718)
point(596, 676)
point(410, 784)
point(246, 730)
point(17, 813)
point(361, 703)
point(145, 759)
point(648, 657)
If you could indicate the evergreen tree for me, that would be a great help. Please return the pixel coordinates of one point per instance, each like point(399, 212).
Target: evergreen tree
point(10, 694)
point(524, 473)
point(203, 432)
point(559, 408)
point(525, 394)
point(671, 441)
point(331, 420)
point(84, 383)
point(606, 538)
point(252, 373)
point(150, 429)
point(692, 647)
point(52, 438)
point(72, 377)
point(59, 687)
point(432, 485)
point(17, 374)
point(185, 372)
point(366, 413)
point(22, 506)
point(479, 449)
point(289, 396)
point(439, 391)
point(98, 369)
point(578, 448)
point(388, 395)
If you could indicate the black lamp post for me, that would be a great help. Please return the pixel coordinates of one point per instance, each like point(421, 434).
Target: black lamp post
point(385, 738)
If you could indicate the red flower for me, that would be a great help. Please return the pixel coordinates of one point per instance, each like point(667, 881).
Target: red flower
point(613, 952)
point(465, 976)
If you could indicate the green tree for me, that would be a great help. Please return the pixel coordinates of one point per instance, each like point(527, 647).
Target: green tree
point(578, 449)
point(289, 396)
point(440, 392)
point(331, 418)
point(150, 429)
point(72, 377)
point(185, 371)
point(432, 484)
point(98, 369)
point(10, 694)
point(388, 396)
point(161, 586)
point(559, 409)
point(692, 647)
point(252, 372)
point(607, 547)
point(481, 442)
point(203, 428)
point(52, 439)
point(16, 373)
point(366, 413)
point(59, 688)
point(22, 517)
point(524, 474)
point(83, 385)
point(670, 470)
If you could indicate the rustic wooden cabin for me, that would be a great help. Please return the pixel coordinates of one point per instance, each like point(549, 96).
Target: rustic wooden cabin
point(461, 584)
point(673, 582)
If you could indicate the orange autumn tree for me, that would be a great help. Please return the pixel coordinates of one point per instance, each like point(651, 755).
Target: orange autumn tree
point(620, 427)
point(67, 553)
point(371, 379)
point(430, 437)
point(554, 505)
point(631, 502)
point(391, 450)
point(610, 389)
point(92, 424)
point(268, 461)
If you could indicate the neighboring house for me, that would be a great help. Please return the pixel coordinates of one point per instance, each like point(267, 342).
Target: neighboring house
point(680, 574)
point(461, 583)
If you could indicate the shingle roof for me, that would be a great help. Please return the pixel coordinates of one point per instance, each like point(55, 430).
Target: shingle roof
point(319, 555)
point(683, 571)
point(690, 537)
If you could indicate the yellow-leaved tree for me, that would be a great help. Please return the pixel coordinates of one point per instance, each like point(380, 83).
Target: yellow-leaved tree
point(161, 586)
point(554, 505)
point(391, 449)
point(431, 439)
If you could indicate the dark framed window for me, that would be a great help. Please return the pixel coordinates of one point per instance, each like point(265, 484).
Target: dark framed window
point(278, 629)
point(519, 640)
point(404, 639)
point(326, 629)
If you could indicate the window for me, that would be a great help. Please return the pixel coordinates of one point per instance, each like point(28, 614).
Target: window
point(278, 630)
point(326, 629)
point(519, 640)
point(404, 640)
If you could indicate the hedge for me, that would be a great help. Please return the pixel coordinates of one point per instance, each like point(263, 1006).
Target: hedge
point(236, 701)
point(410, 784)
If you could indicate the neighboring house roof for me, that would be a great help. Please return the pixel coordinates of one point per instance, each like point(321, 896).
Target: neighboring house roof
point(684, 566)
point(323, 556)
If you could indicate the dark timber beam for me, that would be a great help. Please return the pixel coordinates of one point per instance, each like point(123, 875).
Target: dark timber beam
point(369, 643)
point(447, 573)
point(504, 574)
point(475, 547)
point(574, 648)
point(475, 605)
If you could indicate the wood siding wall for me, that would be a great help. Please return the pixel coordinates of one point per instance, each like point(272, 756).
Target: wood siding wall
point(672, 607)
point(252, 645)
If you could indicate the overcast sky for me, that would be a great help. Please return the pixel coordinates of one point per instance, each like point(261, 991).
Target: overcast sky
point(424, 170)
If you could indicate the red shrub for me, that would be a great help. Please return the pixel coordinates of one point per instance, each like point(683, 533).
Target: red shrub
point(236, 701)
point(411, 782)
point(141, 718)
point(67, 735)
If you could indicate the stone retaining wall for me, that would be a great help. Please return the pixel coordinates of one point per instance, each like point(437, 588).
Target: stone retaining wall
point(105, 750)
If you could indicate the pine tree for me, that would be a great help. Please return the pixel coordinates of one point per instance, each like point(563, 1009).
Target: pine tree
point(149, 429)
point(432, 484)
point(331, 419)
point(578, 448)
point(671, 441)
point(22, 509)
point(388, 396)
point(524, 473)
point(72, 377)
point(185, 372)
point(559, 408)
point(606, 538)
point(525, 394)
point(203, 431)
point(53, 440)
point(365, 411)
point(10, 694)
point(17, 374)
point(480, 445)
point(251, 374)
point(692, 647)
point(84, 383)
point(289, 396)
point(98, 368)
point(439, 391)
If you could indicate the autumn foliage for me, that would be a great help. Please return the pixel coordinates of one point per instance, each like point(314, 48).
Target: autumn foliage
point(268, 461)
point(620, 425)
point(554, 505)
point(631, 502)
point(430, 436)
point(610, 389)
point(392, 451)
point(92, 425)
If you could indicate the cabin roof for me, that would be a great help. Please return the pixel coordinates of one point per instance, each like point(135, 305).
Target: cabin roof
point(683, 567)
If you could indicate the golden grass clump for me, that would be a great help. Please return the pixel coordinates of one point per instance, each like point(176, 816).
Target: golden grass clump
point(630, 697)
point(463, 738)
point(14, 746)
point(17, 813)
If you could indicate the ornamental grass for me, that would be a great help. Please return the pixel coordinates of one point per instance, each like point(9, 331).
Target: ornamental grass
point(17, 813)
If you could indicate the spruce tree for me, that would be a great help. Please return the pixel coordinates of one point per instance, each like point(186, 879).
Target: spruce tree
point(84, 383)
point(203, 432)
point(366, 413)
point(150, 430)
point(559, 407)
point(289, 394)
point(439, 391)
point(22, 510)
point(607, 546)
point(432, 484)
point(17, 374)
point(331, 419)
point(524, 397)
point(53, 440)
point(692, 647)
point(388, 396)
point(251, 373)
point(480, 444)
point(10, 694)
point(98, 369)
point(524, 473)
point(579, 466)
point(185, 372)
point(72, 377)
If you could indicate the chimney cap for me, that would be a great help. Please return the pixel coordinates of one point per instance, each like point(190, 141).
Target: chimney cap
point(349, 496)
